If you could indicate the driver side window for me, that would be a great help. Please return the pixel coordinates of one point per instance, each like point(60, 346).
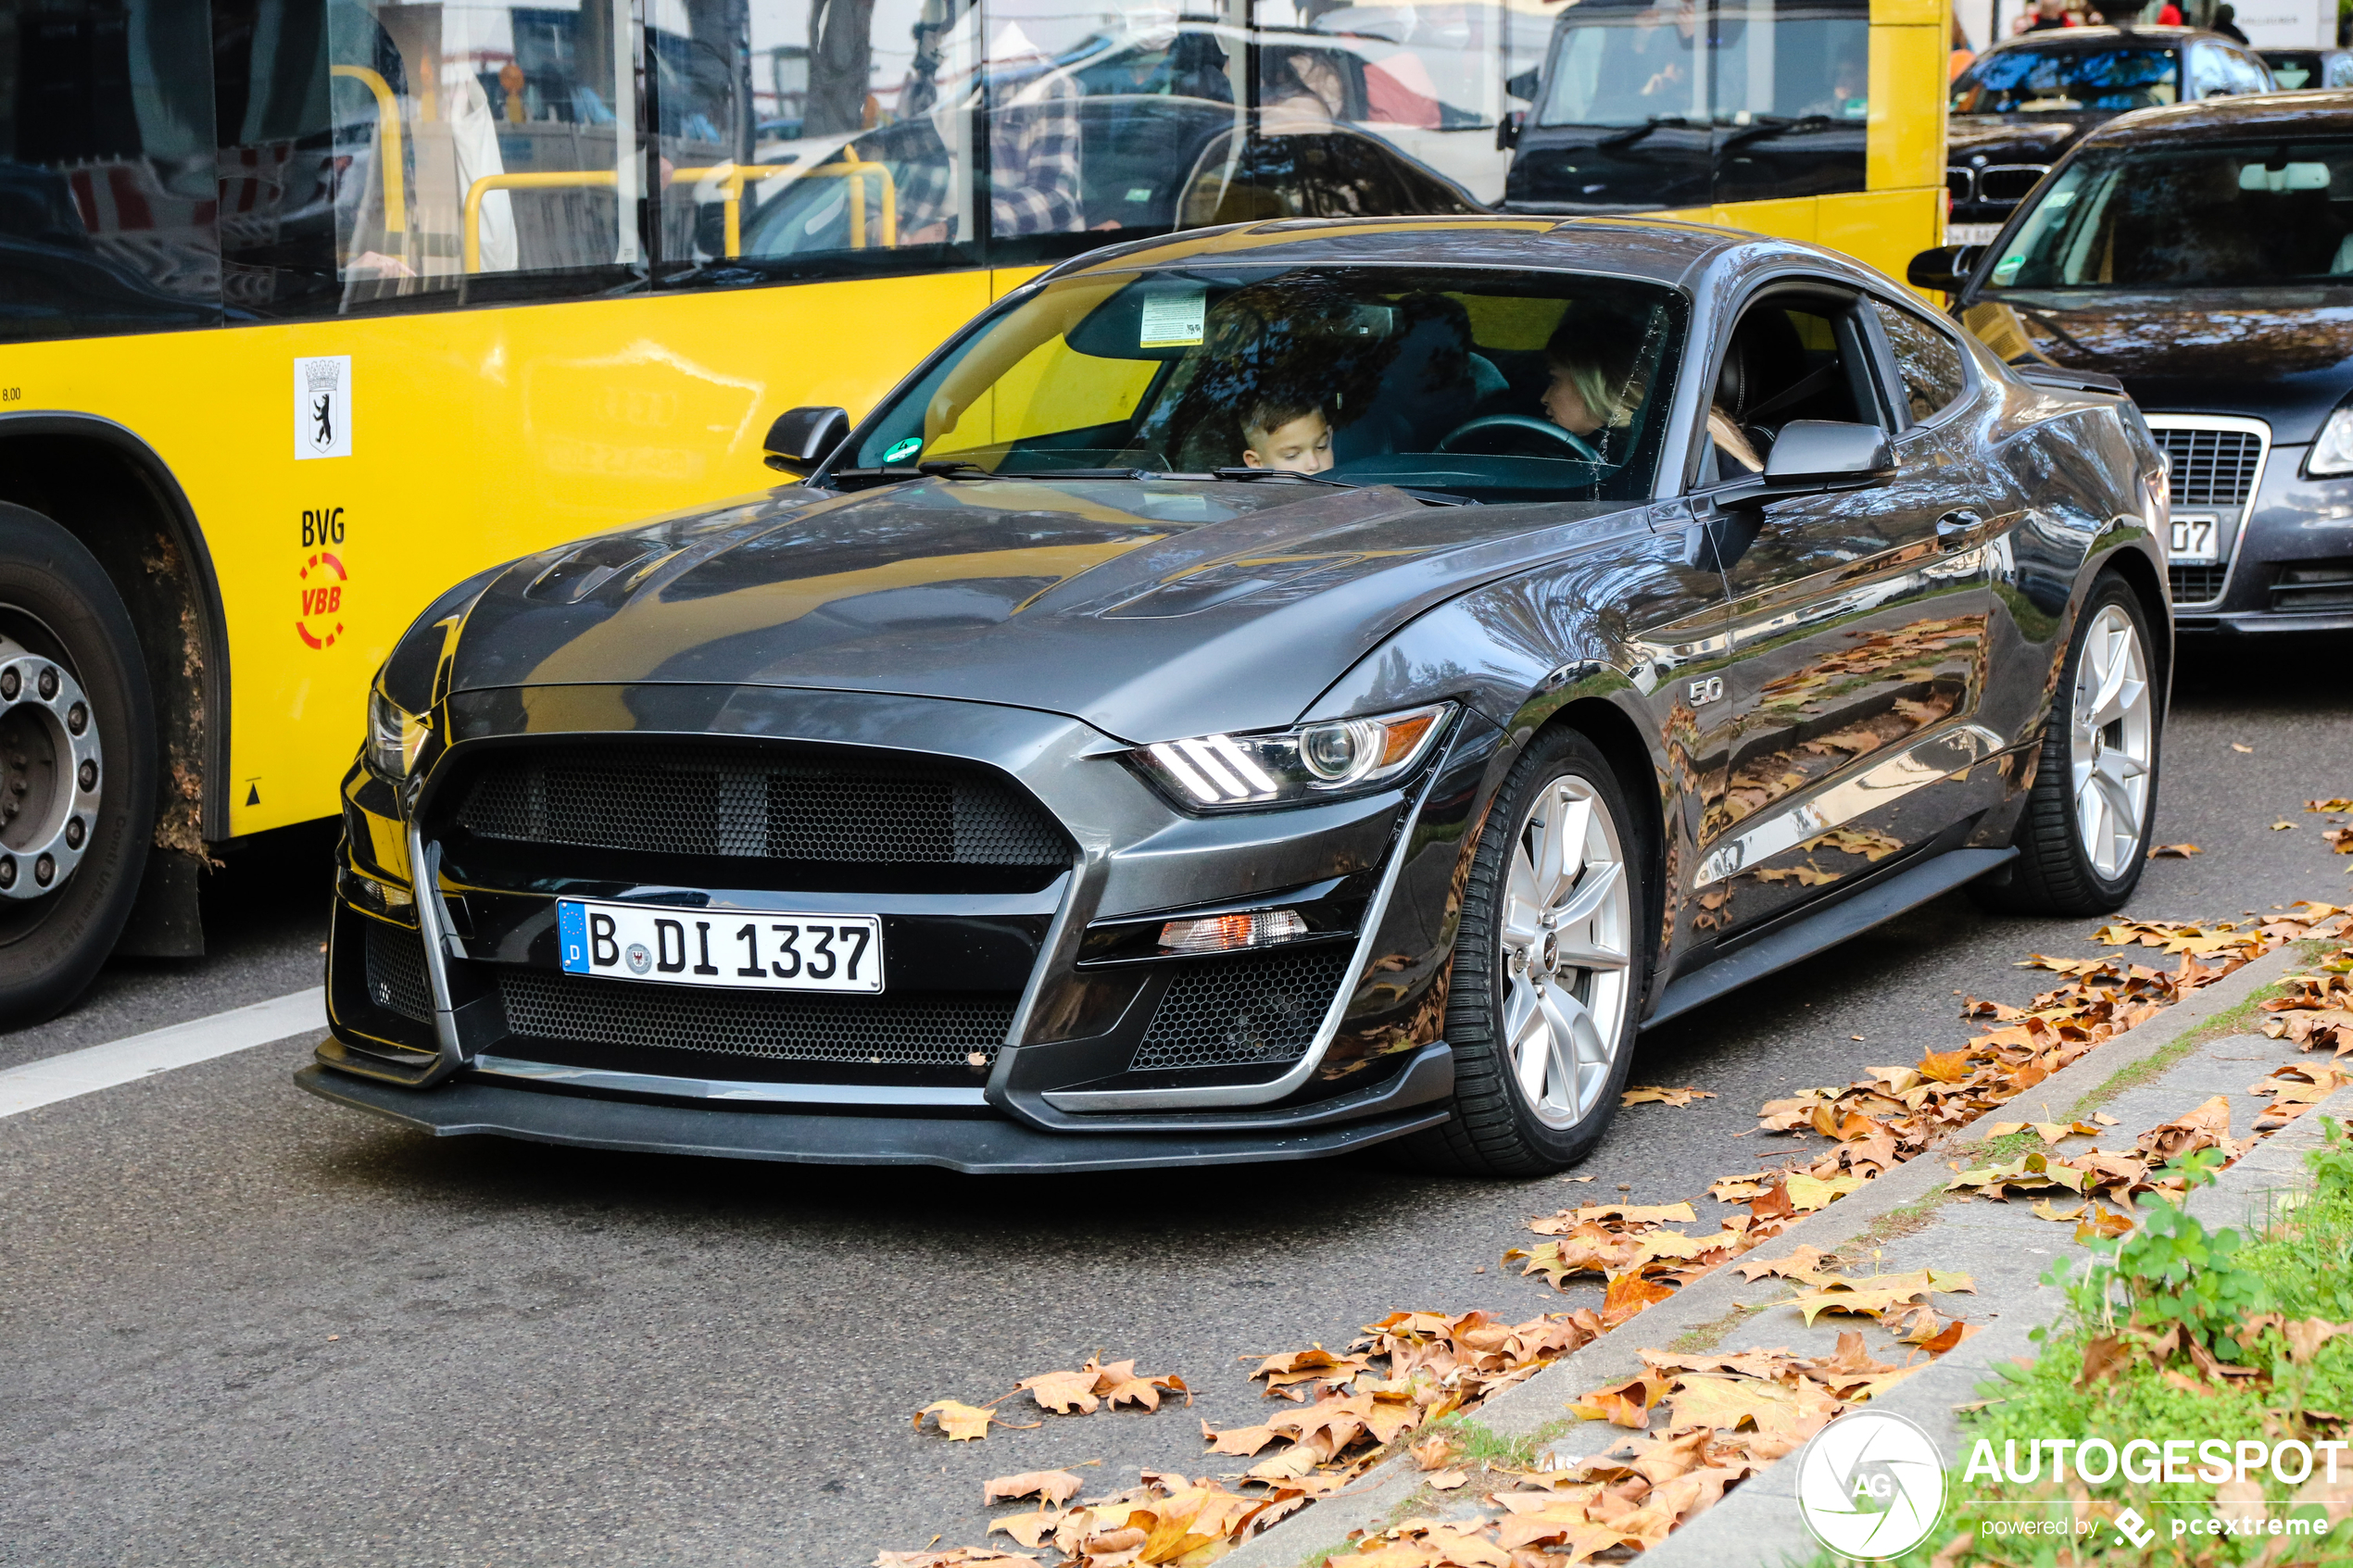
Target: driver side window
point(1788, 360)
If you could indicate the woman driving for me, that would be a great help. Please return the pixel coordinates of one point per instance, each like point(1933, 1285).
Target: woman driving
point(1596, 385)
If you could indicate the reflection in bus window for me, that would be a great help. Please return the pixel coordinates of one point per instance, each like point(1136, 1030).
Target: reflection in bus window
point(107, 208)
point(479, 142)
point(1790, 95)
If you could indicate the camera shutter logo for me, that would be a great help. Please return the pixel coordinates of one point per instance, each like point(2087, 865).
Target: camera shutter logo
point(1870, 1486)
point(322, 406)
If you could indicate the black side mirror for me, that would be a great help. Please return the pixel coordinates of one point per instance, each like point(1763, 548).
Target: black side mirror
point(1946, 267)
point(1827, 455)
point(802, 438)
point(1507, 129)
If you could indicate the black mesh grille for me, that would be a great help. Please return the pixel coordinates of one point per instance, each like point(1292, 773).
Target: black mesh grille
point(1961, 183)
point(713, 801)
point(2211, 468)
point(397, 972)
point(2197, 585)
point(1243, 1009)
point(922, 1029)
point(2008, 183)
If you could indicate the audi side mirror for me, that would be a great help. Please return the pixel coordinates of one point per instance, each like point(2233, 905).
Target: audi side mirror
point(802, 438)
point(1947, 267)
point(1827, 455)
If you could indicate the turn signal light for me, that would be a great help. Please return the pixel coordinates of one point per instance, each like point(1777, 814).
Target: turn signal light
point(1220, 933)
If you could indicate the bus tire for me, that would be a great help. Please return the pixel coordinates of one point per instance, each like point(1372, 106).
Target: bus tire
point(65, 633)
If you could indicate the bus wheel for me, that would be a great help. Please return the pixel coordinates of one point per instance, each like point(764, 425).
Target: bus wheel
point(77, 766)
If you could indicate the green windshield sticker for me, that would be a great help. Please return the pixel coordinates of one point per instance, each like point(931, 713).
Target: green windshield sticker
point(1173, 320)
point(906, 448)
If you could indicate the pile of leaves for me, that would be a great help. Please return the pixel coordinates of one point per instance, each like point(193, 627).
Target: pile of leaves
point(1634, 1250)
point(2317, 1012)
point(1096, 1386)
point(1725, 1417)
point(2337, 839)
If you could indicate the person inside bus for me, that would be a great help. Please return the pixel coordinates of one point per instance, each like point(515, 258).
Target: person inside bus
point(1287, 433)
point(1303, 92)
point(1033, 155)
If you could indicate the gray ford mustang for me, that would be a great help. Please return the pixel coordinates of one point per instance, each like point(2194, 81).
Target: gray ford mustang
point(1255, 695)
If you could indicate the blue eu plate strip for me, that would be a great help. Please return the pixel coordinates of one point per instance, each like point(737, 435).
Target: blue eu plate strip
point(572, 933)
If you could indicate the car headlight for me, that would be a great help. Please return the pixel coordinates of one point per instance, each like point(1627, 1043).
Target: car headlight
point(2333, 448)
point(395, 735)
point(1330, 759)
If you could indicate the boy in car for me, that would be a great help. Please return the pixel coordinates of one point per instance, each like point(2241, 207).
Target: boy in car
point(1287, 433)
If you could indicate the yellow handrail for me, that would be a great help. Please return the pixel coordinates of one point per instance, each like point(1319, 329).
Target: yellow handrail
point(733, 178)
point(583, 179)
point(388, 143)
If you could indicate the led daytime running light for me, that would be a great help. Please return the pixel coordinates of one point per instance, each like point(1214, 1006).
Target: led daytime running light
point(1328, 760)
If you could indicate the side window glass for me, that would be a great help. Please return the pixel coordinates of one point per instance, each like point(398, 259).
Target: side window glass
point(1791, 95)
point(801, 134)
point(2207, 75)
point(2246, 73)
point(1929, 362)
point(107, 204)
point(490, 147)
point(1783, 363)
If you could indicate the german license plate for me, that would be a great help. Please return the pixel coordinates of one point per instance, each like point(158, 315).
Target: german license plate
point(734, 950)
point(2197, 536)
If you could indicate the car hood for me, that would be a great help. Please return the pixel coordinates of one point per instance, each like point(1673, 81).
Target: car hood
point(2020, 138)
point(2281, 355)
point(1150, 610)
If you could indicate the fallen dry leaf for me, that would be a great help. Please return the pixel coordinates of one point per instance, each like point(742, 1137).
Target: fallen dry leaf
point(2283, 825)
point(962, 1423)
point(1051, 1486)
point(956, 1557)
point(2174, 851)
point(1652, 1095)
point(1628, 1295)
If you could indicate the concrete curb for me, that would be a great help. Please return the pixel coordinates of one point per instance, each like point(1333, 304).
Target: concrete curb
point(1710, 1305)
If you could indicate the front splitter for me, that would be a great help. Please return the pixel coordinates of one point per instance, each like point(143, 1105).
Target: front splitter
point(976, 1145)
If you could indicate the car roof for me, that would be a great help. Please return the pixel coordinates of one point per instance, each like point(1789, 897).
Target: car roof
point(2069, 38)
point(1662, 250)
point(2312, 112)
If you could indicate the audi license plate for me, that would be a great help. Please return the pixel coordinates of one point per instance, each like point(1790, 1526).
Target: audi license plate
point(742, 950)
point(2197, 536)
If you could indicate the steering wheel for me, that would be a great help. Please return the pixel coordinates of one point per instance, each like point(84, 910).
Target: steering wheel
point(1578, 447)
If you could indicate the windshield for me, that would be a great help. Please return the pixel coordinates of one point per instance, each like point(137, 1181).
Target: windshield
point(2177, 217)
point(2064, 81)
point(1497, 386)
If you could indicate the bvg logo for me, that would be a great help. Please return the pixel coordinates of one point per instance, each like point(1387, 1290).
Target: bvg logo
point(1870, 1486)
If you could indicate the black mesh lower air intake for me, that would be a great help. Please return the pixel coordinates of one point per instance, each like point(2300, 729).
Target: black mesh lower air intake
point(1243, 1009)
point(730, 800)
point(397, 971)
point(919, 1028)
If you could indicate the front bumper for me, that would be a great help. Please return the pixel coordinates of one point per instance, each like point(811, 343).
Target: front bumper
point(2289, 567)
point(1069, 1054)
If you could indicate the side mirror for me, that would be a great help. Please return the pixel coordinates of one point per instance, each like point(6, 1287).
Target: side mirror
point(1827, 455)
point(1507, 129)
point(802, 438)
point(1946, 267)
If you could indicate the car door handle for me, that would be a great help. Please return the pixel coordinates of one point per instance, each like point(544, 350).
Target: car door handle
point(1954, 530)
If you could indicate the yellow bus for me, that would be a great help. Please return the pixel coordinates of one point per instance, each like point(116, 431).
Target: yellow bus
point(309, 309)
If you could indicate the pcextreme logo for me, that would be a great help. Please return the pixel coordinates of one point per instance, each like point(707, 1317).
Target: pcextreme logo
point(1870, 1486)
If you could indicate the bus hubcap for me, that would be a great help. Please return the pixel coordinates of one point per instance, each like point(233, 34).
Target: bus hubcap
point(51, 773)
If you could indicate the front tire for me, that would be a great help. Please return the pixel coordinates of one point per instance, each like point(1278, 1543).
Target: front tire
point(77, 766)
point(2084, 839)
point(1550, 960)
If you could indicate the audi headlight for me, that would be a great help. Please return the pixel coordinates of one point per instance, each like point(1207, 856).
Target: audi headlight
point(2333, 448)
point(395, 735)
point(1327, 760)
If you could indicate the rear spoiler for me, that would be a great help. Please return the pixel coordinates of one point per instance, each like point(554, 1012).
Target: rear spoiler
point(2057, 378)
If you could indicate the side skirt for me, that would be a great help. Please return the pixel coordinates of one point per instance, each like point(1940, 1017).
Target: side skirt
point(1827, 928)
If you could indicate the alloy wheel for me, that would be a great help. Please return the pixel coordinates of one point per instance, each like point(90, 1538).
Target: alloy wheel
point(1567, 944)
point(2111, 742)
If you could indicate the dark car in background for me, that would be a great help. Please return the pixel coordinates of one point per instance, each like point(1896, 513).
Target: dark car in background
point(2305, 70)
point(2203, 254)
point(2026, 100)
point(1038, 784)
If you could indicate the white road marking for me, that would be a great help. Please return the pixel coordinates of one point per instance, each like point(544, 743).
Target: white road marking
point(37, 1084)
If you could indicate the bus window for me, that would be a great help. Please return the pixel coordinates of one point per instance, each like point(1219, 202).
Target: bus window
point(1791, 90)
point(482, 146)
point(847, 139)
point(106, 210)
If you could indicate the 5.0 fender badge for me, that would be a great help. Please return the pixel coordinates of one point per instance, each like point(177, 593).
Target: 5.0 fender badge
point(1706, 691)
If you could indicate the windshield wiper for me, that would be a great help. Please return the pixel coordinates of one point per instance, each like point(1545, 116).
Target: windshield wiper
point(1434, 498)
point(945, 468)
point(1773, 125)
point(1634, 134)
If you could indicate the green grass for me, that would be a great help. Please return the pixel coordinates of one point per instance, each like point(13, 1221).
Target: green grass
point(1702, 1337)
point(2304, 1261)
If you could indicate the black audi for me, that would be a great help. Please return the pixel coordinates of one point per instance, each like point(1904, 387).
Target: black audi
point(2203, 254)
point(1256, 695)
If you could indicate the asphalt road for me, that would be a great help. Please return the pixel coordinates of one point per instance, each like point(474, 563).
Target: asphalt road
point(244, 1327)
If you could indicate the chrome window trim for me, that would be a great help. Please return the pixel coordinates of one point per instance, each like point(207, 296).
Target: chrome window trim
point(731, 1088)
point(2240, 423)
point(1223, 1095)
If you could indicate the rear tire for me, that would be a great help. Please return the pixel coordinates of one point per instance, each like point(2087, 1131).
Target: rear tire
point(1551, 958)
point(2083, 838)
point(78, 801)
